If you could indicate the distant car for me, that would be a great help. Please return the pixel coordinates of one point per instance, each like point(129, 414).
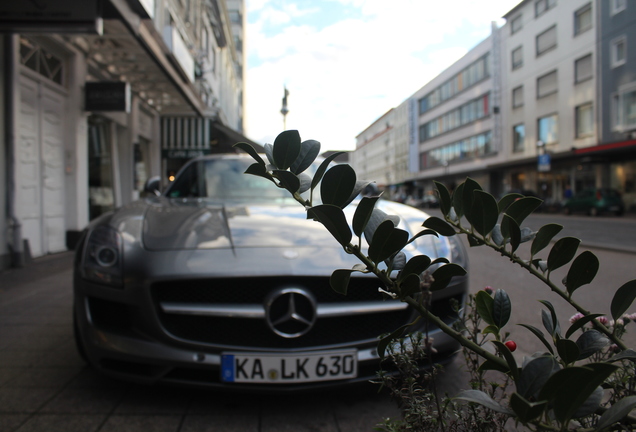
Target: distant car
point(428, 201)
point(221, 281)
point(595, 201)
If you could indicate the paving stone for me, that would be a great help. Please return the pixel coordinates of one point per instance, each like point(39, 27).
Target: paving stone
point(138, 423)
point(63, 423)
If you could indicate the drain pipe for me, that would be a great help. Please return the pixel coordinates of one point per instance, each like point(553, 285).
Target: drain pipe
point(15, 228)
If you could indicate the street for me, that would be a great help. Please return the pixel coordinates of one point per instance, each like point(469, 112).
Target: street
point(44, 385)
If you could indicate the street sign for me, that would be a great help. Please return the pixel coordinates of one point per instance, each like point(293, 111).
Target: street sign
point(544, 163)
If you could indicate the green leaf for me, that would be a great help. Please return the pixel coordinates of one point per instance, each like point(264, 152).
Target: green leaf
point(492, 329)
point(468, 197)
point(550, 322)
point(359, 187)
point(385, 341)
point(522, 208)
point(591, 342)
point(569, 388)
point(322, 168)
point(444, 274)
point(288, 180)
point(535, 374)
point(377, 217)
point(362, 214)
point(484, 212)
point(251, 151)
point(258, 170)
point(506, 200)
point(544, 236)
point(562, 252)
point(501, 308)
point(623, 299)
point(422, 233)
point(490, 365)
point(580, 323)
point(510, 359)
point(305, 182)
point(286, 149)
point(416, 265)
point(481, 398)
point(628, 354)
point(444, 198)
point(458, 200)
point(568, 350)
point(308, 153)
point(439, 225)
point(616, 412)
point(337, 185)
point(269, 152)
point(334, 220)
point(410, 284)
point(386, 241)
point(510, 231)
point(538, 333)
point(339, 280)
point(484, 304)
point(526, 411)
point(582, 272)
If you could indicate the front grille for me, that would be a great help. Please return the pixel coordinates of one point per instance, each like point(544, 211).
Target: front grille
point(254, 332)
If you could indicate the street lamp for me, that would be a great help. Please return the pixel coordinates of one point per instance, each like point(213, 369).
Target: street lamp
point(284, 110)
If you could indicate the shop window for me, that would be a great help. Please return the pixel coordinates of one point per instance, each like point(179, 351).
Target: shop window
point(547, 84)
point(518, 138)
point(100, 168)
point(41, 61)
point(583, 69)
point(548, 127)
point(584, 120)
point(546, 40)
point(583, 19)
point(517, 58)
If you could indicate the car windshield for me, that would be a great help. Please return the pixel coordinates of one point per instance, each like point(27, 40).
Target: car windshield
point(225, 180)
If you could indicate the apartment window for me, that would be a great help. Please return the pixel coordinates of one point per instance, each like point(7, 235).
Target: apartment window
point(617, 6)
point(618, 51)
point(583, 69)
point(624, 108)
point(547, 84)
point(584, 120)
point(515, 24)
point(583, 19)
point(542, 6)
point(518, 138)
point(517, 97)
point(548, 127)
point(517, 58)
point(546, 40)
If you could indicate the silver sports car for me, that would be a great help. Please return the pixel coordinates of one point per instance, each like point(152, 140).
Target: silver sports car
point(222, 281)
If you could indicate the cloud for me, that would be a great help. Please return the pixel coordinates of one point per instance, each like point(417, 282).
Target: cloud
point(344, 73)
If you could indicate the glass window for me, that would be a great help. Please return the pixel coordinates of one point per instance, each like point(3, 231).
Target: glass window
point(584, 120)
point(547, 84)
point(617, 6)
point(546, 40)
point(541, 6)
point(517, 97)
point(100, 168)
point(516, 24)
point(41, 61)
point(583, 19)
point(549, 129)
point(517, 58)
point(583, 68)
point(518, 138)
point(628, 109)
point(618, 51)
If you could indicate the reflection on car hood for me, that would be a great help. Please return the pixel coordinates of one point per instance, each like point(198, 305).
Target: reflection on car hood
point(196, 224)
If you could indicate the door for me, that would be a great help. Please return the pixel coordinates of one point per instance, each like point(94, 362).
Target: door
point(40, 167)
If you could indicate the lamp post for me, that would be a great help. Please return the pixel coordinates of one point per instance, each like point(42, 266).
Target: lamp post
point(284, 110)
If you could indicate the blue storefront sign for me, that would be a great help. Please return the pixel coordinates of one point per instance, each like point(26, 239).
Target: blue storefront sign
point(544, 163)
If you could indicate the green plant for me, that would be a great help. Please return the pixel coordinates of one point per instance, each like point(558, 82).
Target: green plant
point(567, 385)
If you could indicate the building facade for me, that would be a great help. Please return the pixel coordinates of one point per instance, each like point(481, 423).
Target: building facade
point(99, 96)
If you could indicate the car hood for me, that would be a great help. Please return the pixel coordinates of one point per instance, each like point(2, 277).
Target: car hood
point(195, 224)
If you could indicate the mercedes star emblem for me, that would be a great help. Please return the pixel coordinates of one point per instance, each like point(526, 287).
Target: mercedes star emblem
point(290, 312)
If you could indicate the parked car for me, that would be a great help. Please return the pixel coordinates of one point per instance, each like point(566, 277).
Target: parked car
point(595, 201)
point(221, 281)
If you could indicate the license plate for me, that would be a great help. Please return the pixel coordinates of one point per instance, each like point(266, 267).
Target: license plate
point(263, 368)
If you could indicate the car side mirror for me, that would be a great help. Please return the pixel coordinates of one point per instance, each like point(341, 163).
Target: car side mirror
point(153, 186)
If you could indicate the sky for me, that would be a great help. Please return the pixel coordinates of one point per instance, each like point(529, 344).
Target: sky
point(347, 62)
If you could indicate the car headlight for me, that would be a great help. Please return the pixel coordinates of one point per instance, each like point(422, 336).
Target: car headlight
point(103, 256)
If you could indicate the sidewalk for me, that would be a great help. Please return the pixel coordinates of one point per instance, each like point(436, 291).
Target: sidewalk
point(45, 385)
